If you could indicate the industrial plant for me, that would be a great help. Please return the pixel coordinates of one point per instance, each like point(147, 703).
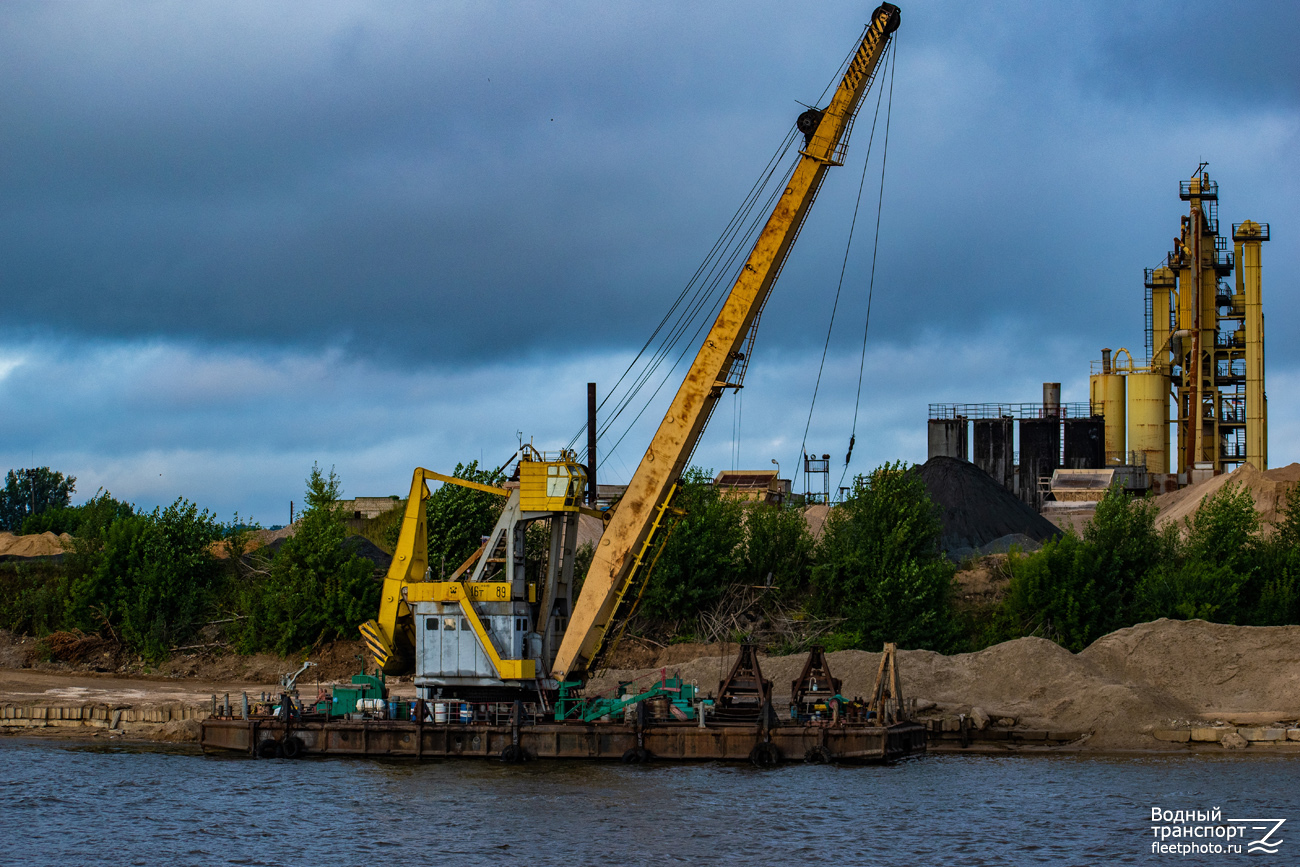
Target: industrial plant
point(1192, 405)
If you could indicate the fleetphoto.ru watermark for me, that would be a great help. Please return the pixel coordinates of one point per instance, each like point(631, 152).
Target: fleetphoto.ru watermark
point(1206, 832)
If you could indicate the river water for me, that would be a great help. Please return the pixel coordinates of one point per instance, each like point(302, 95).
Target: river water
point(72, 804)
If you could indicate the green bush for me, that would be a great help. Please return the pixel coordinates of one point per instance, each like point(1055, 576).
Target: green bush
point(33, 597)
point(1272, 592)
point(90, 519)
point(776, 543)
point(878, 565)
point(1056, 593)
point(153, 578)
point(1215, 565)
point(702, 556)
point(1076, 589)
point(317, 589)
point(149, 578)
point(57, 520)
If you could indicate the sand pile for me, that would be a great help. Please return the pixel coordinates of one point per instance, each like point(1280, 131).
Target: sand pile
point(814, 518)
point(1221, 671)
point(256, 539)
point(37, 545)
point(1119, 689)
point(1268, 489)
point(590, 529)
point(985, 582)
point(979, 515)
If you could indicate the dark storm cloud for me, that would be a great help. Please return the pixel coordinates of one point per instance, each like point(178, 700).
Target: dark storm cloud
point(454, 183)
point(1232, 53)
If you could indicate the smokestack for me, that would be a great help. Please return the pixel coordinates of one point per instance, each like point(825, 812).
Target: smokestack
point(591, 444)
point(1051, 399)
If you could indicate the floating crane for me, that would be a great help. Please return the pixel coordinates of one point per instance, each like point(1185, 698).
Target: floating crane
point(490, 631)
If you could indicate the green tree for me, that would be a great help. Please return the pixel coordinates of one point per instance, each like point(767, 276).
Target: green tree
point(32, 491)
point(317, 588)
point(879, 566)
point(776, 543)
point(701, 557)
point(1217, 560)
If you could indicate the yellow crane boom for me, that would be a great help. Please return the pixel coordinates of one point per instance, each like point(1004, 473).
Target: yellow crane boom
point(616, 555)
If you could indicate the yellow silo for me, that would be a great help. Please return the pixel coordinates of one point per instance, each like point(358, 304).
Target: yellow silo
point(1148, 419)
point(1106, 393)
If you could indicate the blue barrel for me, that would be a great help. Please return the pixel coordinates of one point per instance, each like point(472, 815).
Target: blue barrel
point(392, 709)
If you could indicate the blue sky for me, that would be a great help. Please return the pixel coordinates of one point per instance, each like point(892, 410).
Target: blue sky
point(237, 238)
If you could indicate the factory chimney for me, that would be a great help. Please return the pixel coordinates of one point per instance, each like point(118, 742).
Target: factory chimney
point(1051, 400)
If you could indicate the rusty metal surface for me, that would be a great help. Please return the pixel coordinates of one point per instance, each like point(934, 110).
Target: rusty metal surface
point(744, 693)
point(378, 738)
point(815, 683)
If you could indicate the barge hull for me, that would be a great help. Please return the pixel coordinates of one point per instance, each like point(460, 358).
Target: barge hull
point(396, 739)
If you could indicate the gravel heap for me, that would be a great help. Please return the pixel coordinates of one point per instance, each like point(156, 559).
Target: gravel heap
point(979, 515)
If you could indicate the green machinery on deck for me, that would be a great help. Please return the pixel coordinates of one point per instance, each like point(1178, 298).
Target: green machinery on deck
point(669, 697)
point(343, 699)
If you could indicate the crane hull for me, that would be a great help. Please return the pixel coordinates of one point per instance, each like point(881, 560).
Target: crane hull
point(668, 742)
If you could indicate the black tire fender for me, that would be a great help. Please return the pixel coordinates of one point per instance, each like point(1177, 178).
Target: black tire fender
point(818, 756)
point(291, 748)
point(268, 749)
point(765, 755)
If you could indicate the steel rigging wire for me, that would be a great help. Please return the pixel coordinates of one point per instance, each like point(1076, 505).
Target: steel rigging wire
point(844, 264)
point(719, 292)
point(687, 304)
point(692, 305)
point(871, 285)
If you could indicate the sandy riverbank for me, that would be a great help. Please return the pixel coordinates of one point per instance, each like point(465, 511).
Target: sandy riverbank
point(1154, 686)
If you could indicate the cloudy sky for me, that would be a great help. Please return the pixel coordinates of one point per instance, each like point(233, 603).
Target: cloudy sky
point(237, 238)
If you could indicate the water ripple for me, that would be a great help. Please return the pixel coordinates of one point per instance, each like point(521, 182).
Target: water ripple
point(168, 806)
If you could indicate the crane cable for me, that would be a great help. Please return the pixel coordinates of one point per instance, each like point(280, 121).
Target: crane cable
point(844, 264)
point(871, 285)
point(718, 263)
point(703, 321)
point(719, 245)
point(693, 297)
